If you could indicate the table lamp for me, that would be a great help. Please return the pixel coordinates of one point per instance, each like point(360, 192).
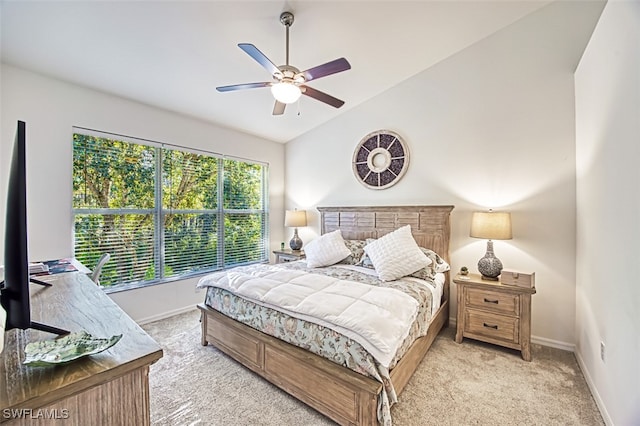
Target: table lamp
point(295, 219)
point(490, 226)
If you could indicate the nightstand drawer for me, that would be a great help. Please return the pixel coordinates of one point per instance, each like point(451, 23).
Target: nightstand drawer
point(288, 258)
point(485, 324)
point(288, 255)
point(494, 301)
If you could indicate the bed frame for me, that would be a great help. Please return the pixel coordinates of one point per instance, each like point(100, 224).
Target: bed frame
point(343, 395)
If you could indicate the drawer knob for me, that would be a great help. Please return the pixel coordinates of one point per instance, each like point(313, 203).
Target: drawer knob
point(490, 301)
point(495, 327)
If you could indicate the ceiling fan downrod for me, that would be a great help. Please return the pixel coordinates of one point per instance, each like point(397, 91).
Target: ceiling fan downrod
point(287, 20)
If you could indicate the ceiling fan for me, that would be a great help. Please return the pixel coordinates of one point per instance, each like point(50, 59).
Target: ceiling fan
point(289, 83)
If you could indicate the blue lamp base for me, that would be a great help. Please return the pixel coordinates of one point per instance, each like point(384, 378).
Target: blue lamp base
point(296, 242)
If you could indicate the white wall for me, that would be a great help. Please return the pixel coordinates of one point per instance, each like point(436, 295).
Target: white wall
point(608, 207)
point(50, 109)
point(490, 127)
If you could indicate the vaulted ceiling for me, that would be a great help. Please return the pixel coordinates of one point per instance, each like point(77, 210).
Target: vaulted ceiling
point(172, 54)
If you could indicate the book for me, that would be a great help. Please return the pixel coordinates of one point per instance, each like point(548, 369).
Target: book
point(38, 268)
point(56, 266)
point(60, 265)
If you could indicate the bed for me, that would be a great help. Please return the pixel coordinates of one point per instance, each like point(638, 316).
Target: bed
point(345, 396)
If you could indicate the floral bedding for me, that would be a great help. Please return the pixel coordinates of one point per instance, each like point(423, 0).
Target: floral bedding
point(322, 340)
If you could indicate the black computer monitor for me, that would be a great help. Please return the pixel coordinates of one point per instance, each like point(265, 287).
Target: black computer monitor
point(14, 292)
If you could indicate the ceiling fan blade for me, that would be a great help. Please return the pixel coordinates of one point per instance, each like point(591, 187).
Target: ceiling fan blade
point(324, 70)
point(278, 108)
point(321, 96)
point(242, 86)
point(259, 57)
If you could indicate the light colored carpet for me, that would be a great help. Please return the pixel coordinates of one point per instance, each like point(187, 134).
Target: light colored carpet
point(456, 384)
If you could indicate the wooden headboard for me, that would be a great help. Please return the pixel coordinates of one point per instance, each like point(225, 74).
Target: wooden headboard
point(429, 225)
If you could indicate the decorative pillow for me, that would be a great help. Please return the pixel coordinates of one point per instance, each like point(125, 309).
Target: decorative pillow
point(396, 254)
point(326, 250)
point(356, 247)
point(437, 265)
point(365, 260)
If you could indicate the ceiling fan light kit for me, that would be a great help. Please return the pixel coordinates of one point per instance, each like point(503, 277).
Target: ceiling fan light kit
point(286, 92)
point(288, 81)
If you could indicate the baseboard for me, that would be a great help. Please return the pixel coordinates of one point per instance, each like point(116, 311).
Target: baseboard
point(553, 343)
point(165, 315)
point(594, 391)
point(537, 340)
point(453, 322)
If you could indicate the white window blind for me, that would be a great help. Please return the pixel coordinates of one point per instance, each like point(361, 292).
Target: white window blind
point(163, 212)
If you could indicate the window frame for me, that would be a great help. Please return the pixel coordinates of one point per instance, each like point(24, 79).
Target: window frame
point(159, 211)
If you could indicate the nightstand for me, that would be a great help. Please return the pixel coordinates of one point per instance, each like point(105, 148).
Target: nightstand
point(494, 313)
point(288, 255)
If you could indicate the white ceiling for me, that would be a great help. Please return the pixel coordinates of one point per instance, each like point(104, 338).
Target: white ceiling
point(172, 54)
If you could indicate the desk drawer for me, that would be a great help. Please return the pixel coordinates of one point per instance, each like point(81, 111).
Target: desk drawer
point(499, 327)
point(504, 303)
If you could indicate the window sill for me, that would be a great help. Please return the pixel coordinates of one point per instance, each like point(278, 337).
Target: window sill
point(133, 286)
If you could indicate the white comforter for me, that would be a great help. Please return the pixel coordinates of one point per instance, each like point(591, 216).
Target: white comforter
point(376, 317)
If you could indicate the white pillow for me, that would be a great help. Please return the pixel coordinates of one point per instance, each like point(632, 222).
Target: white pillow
point(396, 254)
point(326, 250)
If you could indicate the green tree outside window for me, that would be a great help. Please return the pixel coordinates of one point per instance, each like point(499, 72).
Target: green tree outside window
point(164, 212)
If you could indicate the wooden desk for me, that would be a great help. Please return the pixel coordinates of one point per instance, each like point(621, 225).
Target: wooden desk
point(109, 388)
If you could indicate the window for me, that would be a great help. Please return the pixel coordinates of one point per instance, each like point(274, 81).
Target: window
point(164, 212)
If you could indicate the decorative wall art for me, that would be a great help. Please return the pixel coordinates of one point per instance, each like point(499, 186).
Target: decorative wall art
point(380, 159)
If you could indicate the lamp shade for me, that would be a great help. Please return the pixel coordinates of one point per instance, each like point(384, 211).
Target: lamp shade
point(295, 218)
point(491, 225)
point(286, 92)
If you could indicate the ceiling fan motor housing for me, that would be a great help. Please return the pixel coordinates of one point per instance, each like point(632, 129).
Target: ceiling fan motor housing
point(290, 74)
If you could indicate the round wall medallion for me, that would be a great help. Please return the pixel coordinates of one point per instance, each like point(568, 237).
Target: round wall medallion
point(380, 159)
